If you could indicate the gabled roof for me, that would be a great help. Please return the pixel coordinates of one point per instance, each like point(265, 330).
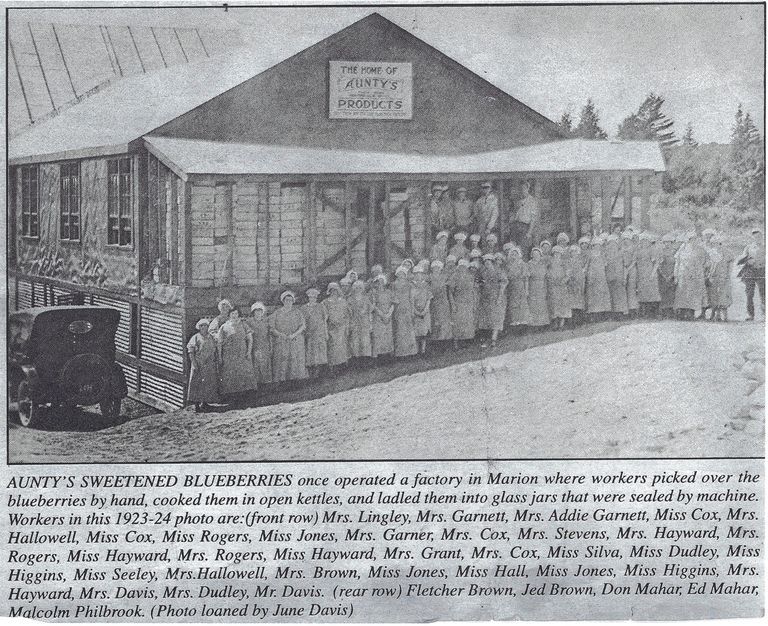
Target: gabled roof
point(189, 156)
point(109, 121)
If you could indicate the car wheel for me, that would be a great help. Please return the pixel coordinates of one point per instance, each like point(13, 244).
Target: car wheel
point(111, 407)
point(30, 412)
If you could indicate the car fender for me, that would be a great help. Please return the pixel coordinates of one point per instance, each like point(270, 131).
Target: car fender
point(117, 383)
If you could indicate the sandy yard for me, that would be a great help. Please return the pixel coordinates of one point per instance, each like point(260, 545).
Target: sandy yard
point(655, 389)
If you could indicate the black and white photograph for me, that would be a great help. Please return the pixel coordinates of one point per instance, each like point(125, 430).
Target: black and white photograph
point(370, 233)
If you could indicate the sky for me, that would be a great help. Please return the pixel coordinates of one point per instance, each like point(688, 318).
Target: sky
point(704, 59)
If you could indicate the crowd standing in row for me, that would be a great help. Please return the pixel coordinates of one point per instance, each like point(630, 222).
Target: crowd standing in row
point(459, 293)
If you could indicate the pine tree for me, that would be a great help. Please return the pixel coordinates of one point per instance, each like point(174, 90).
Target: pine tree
point(747, 163)
point(649, 123)
point(688, 139)
point(589, 123)
point(738, 128)
point(751, 134)
point(566, 124)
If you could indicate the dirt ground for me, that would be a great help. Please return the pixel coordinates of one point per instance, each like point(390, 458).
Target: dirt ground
point(641, 389)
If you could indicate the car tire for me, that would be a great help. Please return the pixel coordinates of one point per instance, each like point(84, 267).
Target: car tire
point(111, 407)
point(30, 412)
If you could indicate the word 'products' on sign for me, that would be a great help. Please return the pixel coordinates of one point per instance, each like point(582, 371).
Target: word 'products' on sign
point(370, 90)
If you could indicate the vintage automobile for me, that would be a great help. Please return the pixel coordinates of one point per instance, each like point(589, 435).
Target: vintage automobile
point(63, 356)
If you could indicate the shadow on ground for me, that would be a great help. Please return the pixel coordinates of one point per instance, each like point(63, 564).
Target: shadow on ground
point(86, 419)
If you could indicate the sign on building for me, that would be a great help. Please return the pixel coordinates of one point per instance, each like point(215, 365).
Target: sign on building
point(370, 90)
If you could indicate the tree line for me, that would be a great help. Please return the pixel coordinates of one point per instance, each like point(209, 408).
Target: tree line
point(705, 181)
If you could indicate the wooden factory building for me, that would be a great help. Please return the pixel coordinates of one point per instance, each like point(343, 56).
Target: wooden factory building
point(175, 188)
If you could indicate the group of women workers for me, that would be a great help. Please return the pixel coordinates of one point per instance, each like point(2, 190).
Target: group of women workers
point(453, 296)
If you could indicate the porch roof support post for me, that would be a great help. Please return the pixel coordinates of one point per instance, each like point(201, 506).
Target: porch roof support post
point(537, 193)
point(347, 227)
point(627, 200)
point(427, 221)
point(187, 230)
point(387, 233)
point(311, 244)
point(645, 215)
point(142, 209)
point(503, 220)
point(371, 224)
point(605, 187)
point(573, 199)
point(174, 234)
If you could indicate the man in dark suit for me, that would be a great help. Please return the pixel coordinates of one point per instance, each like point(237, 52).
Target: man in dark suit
point(752, 272)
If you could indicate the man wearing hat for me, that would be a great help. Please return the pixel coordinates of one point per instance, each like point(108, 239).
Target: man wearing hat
point(708, 246)
point(486, 210)
point(441, 208)
point(752, 272)
point(524, 219)
point(462, 209)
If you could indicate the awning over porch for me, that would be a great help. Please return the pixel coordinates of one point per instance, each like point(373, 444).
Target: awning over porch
point(187, 156)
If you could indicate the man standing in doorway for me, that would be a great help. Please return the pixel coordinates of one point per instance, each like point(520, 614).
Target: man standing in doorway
point(752, 272)
point(441, 209)
point(525, 217)
point(462, 209)
point(486, 210)
point(435, 208)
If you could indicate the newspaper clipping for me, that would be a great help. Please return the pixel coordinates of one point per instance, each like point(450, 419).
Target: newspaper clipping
point(384, 313)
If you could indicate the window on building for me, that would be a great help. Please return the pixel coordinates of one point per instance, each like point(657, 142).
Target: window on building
point(69, 201)
point(120, 202)
point(30, 201)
